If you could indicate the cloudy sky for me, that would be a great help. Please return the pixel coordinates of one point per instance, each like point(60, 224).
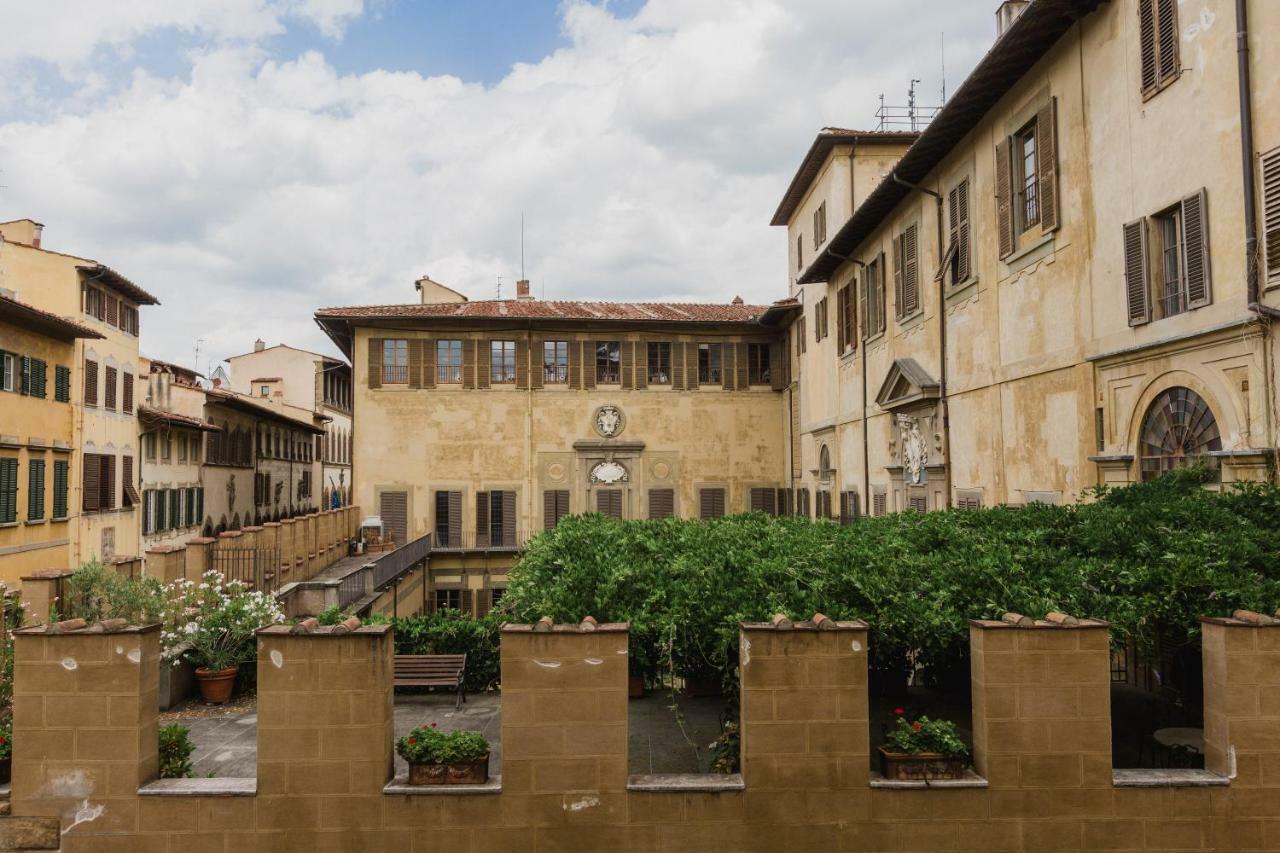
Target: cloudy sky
point(251, 160)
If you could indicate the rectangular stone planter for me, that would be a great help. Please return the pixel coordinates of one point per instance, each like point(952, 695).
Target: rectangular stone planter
point(176, 683)
point(468, 773)
point(921, 766)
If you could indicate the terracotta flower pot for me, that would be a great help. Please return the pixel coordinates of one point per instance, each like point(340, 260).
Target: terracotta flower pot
point(216, 687)
point(464, 773)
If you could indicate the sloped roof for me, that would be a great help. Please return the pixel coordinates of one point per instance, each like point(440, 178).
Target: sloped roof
point(149, 413)
point(536, 309)
point(36, 320)
point(303, 420)
point(105, 275)
point(828, 138)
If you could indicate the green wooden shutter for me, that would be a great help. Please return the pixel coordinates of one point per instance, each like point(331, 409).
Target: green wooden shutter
point(8, 491)
point(61, 478)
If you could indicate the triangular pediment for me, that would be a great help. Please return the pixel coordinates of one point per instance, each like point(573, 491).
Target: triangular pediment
point(905, 384)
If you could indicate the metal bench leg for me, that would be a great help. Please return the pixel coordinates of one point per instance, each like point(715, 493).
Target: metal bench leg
point(462, 697)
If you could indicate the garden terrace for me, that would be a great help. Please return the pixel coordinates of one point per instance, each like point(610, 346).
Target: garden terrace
point(85, 729)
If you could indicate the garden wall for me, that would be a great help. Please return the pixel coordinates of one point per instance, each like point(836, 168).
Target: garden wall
point(85, 752)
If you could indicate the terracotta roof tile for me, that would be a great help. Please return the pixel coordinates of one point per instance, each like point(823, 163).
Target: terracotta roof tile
point(44, 322)
point(535, 309)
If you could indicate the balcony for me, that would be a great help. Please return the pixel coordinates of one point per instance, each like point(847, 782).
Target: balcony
point(495, 541)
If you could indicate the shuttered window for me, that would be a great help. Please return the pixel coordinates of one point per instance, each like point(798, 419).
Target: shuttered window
point(502, 362)
point(109, 388)
point(62, 384)
point(906, 273)
point(99, 482)
point(764, 500)
point(711, 503)
point(709, 369)
point(968, 499)
point(1027, 179)
point(609, 502)
point(659, 372)
point(849, 508)
point(759, 370)
point(449, 362)
point(1166, 261)
point(393, 507)
point(820, 226)
point(820, 329)
point(1158, 44)
point(1271, 215)
point(130, 492)
point(61, 485)
point(496, 519)
point(802, 502)
point(959, 251)
point(395, 362)
point(872, 297)
point(555, 362)
point(8, 490)
point(448, 519)
point(90, 382)
point(608, 362)
point(919, 504)
point(113, 310)
point(662, 503)
point(879, 502)
point(846, 338)
point(555, 506)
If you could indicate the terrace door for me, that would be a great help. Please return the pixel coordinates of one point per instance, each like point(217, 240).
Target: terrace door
point(394, 509)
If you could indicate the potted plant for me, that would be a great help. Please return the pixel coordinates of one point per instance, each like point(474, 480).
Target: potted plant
point(213, 624)
point(6, 751)
point(923, 749)
point(445, 758)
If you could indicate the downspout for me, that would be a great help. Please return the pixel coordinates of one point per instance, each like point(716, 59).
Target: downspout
point(942, 344)
point(866, 451)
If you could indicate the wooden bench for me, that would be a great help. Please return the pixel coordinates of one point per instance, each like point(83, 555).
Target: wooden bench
point(432, 671)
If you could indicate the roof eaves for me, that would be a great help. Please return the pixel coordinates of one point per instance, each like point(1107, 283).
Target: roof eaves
point(827, 139)
point(117, 282)
point(45, 322)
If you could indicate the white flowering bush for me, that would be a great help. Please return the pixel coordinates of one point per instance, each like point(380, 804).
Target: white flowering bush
point(212, 623)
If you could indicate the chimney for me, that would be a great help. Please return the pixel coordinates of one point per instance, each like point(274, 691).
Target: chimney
point(522, 289)
point(737, 300)
point(259, 345)
point(36, 233)
point(1008, 13)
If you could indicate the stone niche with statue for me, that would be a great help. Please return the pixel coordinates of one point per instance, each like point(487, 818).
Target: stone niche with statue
point(917, 472)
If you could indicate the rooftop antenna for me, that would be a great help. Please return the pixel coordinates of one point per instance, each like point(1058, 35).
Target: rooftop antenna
point(522, 245)
point(199, 341)
point(911, 104)
point(499, 285)
point(943, 52)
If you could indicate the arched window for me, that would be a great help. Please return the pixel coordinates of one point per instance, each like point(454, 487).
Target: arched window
point(825, 471)
point(1178, 431)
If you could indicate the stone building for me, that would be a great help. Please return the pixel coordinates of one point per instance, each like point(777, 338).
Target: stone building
point(1065, 280)
point(104, 498)
point(484, 422)
point(307, 380)
point(37, 437)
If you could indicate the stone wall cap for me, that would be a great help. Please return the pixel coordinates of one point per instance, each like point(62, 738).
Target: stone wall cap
point(603, 627)
point(828, 625)
point(88, 630)
point(165, 549)
point(1230, 622)
point(230, 534)
point(287, 631)
point(47, 574)
point(270, 524)
point(1083, 623)
point(201, 540)
point(212, 787)
point(253, 528)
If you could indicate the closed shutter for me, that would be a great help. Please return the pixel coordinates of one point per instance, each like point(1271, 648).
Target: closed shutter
point(575, 364)
point(199, 504)
point(555, 506)
point(113, 310)
point(375, 362)
point(393, 507)
point(662, 503)
point(609, 503)
point(416, 346)
point(522, 362)
point(90, 383)
point(588, 364)
point(960, 229)
point(428, 364)
point(879, 502)
point(764, 500)
point(175, 508)
point(1004, 198)
point(107, 482)
point(742, 366)
point(1047, 164)
point(680, 371)
point(61, 481)
point(1271, 215)
point(162, 509)
point(1195, 249)
point(62, 384)
point(689, 351)
point(627, 355)
point(484, 355)
point(484, 602)
point(910, 271)
point(127, 393)
point(8, 491)
point(919, 504)
point(777, 374)
point(711, 503)
point(35, 489)
point(482, 519)
point(109, 389)
point(90, 485)
point(509, 519)
point(39, 378)
point(468, 363)
point(1135, 272)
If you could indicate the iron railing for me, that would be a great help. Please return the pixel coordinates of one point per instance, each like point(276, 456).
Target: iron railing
point(393, 564)
point(256, 568)
point(351, 588)
point(454, 541)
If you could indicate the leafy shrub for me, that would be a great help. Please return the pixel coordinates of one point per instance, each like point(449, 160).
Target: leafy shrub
point(213, 623)
point(6, 738)
point(95, 592)
point(925, 735)
point(429, 745)
point(1155, 554)
point(175, 751)
point(452, 632)
point(331, 615)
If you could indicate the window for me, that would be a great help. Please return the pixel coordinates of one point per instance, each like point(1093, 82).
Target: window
point(126, 396)
point(820, 319)
point(802, 502)
point(182, 448)
point(496, 519)
point(1166, 261)
point(99, 489)
point(906, 273)
point(93, 303)
point(758, 364)
point(34, 375)
point(1178, 431)
point(448, 599)
point(1158, 37)
point(820, 226)
point(264, 390)
point(90, 382)
point(555, 506)
point(448, 362)
point(710, 503)
point(555, 362)
point(958, 252)
point(1026, 178)
point(764, 500)
point(109, 388)
point(802, 339)
point(395, 362)
point(448, 519)
point(662, 503)
point(61, 482)
point(608, 363)
point(8, 490)
point(128, 492)
point(844, 319)
point(849, 508)
point(609, 502)
point(799, 253)
point(660, 364)
point(8, 370)
point(166, 447)
point(709, 372)
point(502, 362)
point(873, 297)
point(129, 319)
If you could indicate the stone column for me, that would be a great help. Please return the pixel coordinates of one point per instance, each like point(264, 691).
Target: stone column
point(85, 727)
point(166, 563)
point(1242, 705)
point(197, 557)
point(40, 593)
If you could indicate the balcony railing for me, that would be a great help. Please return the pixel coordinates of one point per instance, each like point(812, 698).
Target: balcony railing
point(393, 564)
point(469, 541)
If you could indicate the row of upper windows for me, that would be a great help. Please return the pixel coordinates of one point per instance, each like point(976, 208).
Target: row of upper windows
point(36, 490)
point(109, 308)
point(22, 374)
point(117, 387)
point(555, 362)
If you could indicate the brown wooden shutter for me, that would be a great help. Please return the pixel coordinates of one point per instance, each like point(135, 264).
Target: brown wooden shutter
point(880, 316)
point(1147, 39)
point(522, 362)
point(415, 362)
point(375, 362)
point(112, 310)
point(551, 507)
point(897, 277)
point(468, 363)
point(455, 517)
point(1195, 249)
point(743, 366)
point(662, 503)
point(484, 602)
point(1271, 214)
point(127, 408)
point(575, 364)
point(1167, 47)
point(484, 353)
point(1047, 164)
point(109, 388)
point(910, 271)
point(90, 383)
point(679, 371)
point(482, 518)
point(509, 519)
point(689, 351)
point(428, 363)
point(963, 253)
point(711, 503)
point(842, 298)
point(727, 371)
point(1135, 272)
point(90, 487)
point(627, 364)
point(107, 482)
point(537, 358)
point(393, 507)
point(777, 371)
point(1004, 198)
point(589, 364)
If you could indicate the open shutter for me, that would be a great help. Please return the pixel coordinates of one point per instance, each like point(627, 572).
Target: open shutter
point(1167, 45)
point(880, 307)
point(482, 518)
point(688, 351)
point(1004, 198)
point(898, 301)
point(910, 271)
point(627, 356)
point(1195, 249)
point(455, 517)
point(522, 362)
point(428, 364)
point(468, 363)
point(1047, 164)
point(680, 370)
point(375, 362)
point(415, 362)
point(509, 519)
point(1147, 38)
point(575, 364)
point(742, 366)
point(484, 355)
point(777, 375)
point(1271, 214)
point(1135, 272)
point(537, 367)
point(589, 364)
point(961, 196)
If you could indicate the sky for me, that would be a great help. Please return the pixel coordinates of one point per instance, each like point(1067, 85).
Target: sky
point(248, 161)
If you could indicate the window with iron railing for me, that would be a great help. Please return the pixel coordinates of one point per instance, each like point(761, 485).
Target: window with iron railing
point(709, 372)
point(608, 363)
point(448, 362)
point(660, 363)
point(502, 363)
point(555, 362)
point(395, 362)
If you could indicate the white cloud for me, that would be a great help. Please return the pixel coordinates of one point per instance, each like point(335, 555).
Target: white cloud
point(647, 155)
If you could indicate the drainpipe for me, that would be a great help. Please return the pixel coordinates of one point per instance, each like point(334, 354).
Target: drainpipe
point(942, 344)
point(866, 452)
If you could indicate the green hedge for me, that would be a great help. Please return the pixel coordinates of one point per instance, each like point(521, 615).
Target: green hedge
point(452, 632)
point(1162, 553)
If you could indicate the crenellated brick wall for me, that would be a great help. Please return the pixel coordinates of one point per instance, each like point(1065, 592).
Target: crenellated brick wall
point(85, 724)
